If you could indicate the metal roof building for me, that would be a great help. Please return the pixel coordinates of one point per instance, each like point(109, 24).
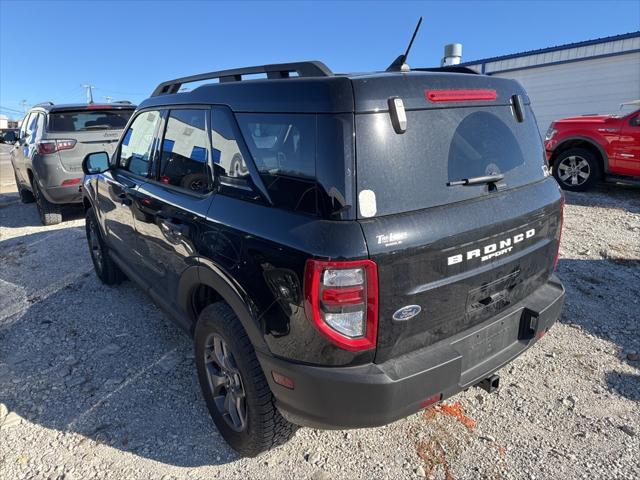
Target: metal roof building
point(594, 76)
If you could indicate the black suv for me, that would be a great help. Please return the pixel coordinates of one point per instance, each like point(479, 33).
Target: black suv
point(344, 249)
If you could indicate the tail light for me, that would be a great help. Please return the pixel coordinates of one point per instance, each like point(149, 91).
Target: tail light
point(559, 235)
point(341, 301)
point(53, 146)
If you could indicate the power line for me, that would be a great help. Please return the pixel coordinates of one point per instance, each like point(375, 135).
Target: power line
point(13, 110)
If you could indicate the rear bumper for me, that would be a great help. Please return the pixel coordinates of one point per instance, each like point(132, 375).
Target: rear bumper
point(377, 394)
point(51, 174)
point(63, 195)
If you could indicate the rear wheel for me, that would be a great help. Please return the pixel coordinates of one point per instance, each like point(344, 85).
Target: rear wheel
point(50, 213)
point(576, 169)
point(25, 195)
point(104, 266)
point(234, 386)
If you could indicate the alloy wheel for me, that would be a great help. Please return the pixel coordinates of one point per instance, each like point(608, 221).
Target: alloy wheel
point(225, 382)
point(574, 170)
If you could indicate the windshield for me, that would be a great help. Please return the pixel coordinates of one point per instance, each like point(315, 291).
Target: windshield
point(87, 120)
point(627, 108)
point(405, 172)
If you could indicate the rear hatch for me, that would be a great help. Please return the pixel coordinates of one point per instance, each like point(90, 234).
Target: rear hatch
point(462, 253)
point(93, 128)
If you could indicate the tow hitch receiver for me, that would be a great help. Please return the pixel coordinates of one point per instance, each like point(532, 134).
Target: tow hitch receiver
point(490, 384)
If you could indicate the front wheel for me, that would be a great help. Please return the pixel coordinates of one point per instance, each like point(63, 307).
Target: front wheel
point(576, 169)
point(104, 266)
point(234, 386)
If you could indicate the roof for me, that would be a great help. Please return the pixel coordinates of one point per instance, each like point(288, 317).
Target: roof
point(556, 48)
point(49, 106)
point(357, 93)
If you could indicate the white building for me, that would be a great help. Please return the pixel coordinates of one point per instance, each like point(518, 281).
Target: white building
point(4, 121)
point(594, 76)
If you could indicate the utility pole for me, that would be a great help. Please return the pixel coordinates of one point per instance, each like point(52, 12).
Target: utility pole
point(89, 92)
point(23, 103)
point(108, 99)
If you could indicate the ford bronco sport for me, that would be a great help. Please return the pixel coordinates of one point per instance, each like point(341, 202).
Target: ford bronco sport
point(345, 249)
point(53, 140)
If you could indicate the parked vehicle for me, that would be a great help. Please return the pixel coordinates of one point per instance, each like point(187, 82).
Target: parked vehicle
point(8, 135)
point(388, 239)
point(585, 150)
point(52, 141)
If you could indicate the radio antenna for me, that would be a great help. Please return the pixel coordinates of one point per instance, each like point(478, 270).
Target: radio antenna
point(400, 63)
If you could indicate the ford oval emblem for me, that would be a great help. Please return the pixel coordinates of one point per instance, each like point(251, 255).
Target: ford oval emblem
point(407, 313)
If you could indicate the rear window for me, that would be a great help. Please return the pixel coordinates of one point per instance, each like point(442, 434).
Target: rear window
point(88, 120)
point(410, 171)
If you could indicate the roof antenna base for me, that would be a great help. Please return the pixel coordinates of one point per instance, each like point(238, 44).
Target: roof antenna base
point(400, 63)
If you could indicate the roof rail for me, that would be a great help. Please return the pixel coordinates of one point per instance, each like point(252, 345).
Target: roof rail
point(126, 102)
point(448, 68)
point(41, 104)
point(277, 70)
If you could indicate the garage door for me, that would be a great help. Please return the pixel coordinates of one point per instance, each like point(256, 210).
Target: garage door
point(582, 87)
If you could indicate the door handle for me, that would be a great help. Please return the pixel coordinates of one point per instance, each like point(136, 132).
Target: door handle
point(124, 198)
point(173, 228)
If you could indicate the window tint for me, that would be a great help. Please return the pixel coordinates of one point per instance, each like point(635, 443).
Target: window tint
point(24, 124)
point(39, 127)
point(281, 144)
point(184, 158)
point(137, 144)
point(411, 171)
point(68, 121)
point(32, 127)
point(283, 147)
point(228, 160)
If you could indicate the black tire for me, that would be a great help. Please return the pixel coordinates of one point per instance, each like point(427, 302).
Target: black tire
point(107, 271)
point(50, 213)
point(264, 427)
point(577, 169)
point(25, 195)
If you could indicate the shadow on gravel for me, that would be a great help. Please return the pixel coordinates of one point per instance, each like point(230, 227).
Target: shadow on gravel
point(28, 216)
point(104, 363)
point(608, 196)
point(602, 300)
point(624, 384)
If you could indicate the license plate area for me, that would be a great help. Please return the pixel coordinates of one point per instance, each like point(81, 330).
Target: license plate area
point(483, 344)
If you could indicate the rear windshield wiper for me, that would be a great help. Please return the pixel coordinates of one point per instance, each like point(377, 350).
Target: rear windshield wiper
point(477, 180)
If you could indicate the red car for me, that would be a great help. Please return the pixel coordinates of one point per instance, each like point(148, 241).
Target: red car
point(585, 150)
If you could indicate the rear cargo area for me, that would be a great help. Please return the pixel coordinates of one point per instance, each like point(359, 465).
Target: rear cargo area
point(461, 253)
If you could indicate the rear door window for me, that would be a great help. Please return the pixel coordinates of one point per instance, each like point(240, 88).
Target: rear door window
point(184, 154)
point(88, 120)
point(410, 171)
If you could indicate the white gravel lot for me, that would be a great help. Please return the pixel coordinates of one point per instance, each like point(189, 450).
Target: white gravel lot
point(95, 382)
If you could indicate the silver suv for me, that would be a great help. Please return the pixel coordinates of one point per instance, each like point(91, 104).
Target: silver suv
point(53, 140)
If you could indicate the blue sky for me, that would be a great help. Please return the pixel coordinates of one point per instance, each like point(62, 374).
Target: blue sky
point(125, 48)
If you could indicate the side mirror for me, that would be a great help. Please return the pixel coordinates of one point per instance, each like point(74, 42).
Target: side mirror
point(97, 162)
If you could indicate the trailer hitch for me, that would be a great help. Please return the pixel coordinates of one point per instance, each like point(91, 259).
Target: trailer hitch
point(489, 384)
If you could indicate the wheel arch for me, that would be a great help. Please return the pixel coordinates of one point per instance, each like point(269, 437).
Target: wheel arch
point(582, 142)
point(206, 283)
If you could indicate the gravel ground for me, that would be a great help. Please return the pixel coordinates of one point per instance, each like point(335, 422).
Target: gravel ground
point(96, 383)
